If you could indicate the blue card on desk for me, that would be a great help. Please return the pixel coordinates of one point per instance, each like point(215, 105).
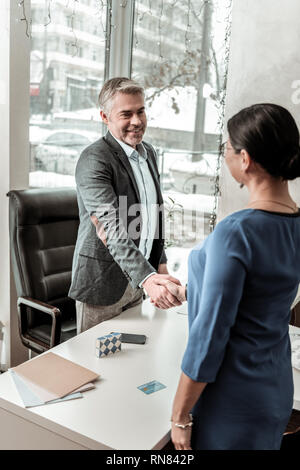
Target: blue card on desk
point(151, 387)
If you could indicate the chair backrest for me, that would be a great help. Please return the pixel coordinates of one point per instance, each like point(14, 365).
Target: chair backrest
point(43, 231)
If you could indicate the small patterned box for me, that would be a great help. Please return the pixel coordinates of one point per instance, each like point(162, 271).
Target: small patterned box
point(108, 344)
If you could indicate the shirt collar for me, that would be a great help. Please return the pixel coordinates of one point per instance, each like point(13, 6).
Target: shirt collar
point(130, 151)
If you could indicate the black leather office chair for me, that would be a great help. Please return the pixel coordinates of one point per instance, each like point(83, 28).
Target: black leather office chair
point(43, 232)
point(295, 315)
point(291, 440)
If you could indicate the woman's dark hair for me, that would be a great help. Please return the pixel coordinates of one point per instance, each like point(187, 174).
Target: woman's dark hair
point(270, 135)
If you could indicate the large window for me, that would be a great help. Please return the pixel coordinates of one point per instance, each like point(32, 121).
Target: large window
point(66, 74)
point(178, 50)
point(178, 55)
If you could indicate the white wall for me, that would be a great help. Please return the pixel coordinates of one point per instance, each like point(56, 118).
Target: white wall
point(14, 138)
point(263, 67)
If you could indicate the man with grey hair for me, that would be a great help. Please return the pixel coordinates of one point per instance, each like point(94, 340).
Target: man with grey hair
point(120, 245)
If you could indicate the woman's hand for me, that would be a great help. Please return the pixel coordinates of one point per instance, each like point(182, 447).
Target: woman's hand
point(181, 438)
point(187, 394)
point(176, 290)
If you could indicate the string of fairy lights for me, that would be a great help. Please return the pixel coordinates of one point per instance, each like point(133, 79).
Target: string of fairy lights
point(221, 119)
point(157, 10)
point(158, 13)
point(24, 18)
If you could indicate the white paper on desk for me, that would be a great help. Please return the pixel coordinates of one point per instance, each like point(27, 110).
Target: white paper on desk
point(30, 399)
point(43, 395)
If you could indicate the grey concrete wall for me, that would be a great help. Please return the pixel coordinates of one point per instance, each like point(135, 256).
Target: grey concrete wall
point(264, 66)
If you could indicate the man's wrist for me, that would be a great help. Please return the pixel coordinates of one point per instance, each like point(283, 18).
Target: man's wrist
point(142, 282)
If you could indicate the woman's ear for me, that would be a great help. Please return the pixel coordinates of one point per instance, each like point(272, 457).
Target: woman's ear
point(246, 159)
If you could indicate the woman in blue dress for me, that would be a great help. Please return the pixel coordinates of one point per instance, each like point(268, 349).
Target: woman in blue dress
point(236, 385)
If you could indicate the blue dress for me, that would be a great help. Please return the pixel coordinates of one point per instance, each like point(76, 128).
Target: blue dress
point(241, 284)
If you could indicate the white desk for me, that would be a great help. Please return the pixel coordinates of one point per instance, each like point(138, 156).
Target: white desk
point(115, 415)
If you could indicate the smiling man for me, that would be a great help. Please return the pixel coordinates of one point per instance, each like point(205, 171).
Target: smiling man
point(120, 246)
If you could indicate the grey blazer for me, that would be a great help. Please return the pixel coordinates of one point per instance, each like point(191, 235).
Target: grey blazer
point(100, 273)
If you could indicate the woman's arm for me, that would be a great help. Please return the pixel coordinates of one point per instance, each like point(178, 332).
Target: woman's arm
point(188, 392)
point(215, 289)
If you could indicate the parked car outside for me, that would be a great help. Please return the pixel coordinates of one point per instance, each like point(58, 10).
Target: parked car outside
point(60, 150)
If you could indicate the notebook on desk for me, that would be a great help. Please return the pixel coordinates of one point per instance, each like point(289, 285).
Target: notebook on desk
point(51, 376)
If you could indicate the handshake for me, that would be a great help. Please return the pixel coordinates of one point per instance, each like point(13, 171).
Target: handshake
point(165, 291)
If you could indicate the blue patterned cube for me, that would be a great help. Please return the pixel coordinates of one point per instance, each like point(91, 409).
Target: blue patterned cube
point(108, 344)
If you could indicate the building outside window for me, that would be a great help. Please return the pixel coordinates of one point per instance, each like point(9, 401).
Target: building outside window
point(65, 79)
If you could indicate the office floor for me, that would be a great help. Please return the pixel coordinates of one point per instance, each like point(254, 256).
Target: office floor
point(292, 426)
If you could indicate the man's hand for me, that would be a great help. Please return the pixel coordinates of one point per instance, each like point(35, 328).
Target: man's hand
point(176, 290)
point(159, 294)
point(99, 229)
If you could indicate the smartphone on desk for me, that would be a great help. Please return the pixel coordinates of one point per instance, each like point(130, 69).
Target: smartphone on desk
point(132, 338)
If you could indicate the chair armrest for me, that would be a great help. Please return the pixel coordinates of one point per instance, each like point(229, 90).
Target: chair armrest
point(33, 343)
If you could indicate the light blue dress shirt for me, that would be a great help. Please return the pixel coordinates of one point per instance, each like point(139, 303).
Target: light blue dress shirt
point(148, 195)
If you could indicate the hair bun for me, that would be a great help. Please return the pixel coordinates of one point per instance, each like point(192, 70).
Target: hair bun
point(290, 168)
point(270, 135)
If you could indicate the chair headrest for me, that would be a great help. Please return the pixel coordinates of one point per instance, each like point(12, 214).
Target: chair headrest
point(43, 205)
